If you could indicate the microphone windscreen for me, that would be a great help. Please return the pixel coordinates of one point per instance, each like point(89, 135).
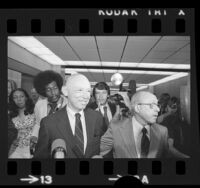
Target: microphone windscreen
point(58, 143)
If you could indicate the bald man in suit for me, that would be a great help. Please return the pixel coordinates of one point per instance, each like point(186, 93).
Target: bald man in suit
point(138, 136)
point(82, 139)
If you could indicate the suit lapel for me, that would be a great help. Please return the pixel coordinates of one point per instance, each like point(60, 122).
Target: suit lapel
point(127, 134)
point(64, 128)
point(154, 142)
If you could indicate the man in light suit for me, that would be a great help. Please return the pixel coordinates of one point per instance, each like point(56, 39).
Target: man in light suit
point(138, 136)
point(80, 128)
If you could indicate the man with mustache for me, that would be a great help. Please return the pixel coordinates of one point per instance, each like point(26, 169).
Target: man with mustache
point(79, 127)
point(48, 85)
point(138, 136)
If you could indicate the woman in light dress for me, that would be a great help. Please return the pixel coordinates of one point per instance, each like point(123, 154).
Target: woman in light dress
point(23, 117)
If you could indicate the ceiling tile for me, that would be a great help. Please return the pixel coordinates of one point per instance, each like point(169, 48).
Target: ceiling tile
point(138, 47)
point(158, 54)
point(59, 46)
point(170, 45)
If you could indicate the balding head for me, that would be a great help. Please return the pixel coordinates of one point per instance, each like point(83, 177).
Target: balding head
point(76, 78)
point(141, 96)
point(78, 91)
point(144, 104)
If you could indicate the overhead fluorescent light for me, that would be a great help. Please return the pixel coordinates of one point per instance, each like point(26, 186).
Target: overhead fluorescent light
point(86, 63)
point(125, 84)
point(169, 78)
point(130, 64)
point(121, 71)
point(142, 87)
point(34, 46)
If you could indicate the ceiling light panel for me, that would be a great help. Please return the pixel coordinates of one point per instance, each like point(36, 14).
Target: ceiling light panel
point(36, 47)
point(169, 78)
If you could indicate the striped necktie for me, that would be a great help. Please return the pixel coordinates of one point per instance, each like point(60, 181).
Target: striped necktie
point(79, 133)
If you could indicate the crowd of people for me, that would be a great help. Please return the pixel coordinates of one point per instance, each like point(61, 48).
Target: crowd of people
point(86, 126)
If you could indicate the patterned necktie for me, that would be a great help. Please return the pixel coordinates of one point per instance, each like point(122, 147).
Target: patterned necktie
point(79, 133)
point(106, 115)
point(144, 143)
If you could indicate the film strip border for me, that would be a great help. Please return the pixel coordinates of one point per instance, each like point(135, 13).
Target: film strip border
point(107, 26)
point(98, 22)
point(67, 171)
point(89, 22)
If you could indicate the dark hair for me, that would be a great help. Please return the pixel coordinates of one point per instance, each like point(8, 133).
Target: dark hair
point(163, 101)
point(101, 86)
point(44, 78)
point(174, 103)
point(13, 108)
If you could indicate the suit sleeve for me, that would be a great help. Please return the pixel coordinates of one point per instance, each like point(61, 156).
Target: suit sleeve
point(42, 149)
point(166, 145)
point(106, 143)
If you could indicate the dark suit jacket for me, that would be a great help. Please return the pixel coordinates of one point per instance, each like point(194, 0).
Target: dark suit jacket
point(56, 126)
point(94, 106)
point(120, 138)
point(112, 106)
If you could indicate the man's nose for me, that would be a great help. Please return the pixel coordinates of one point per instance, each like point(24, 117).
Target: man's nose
point(157, 109)
point(53, 92)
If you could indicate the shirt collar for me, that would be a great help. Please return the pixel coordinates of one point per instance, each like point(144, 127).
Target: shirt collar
point(59, 102)
point(138, 127)
point(72, 113)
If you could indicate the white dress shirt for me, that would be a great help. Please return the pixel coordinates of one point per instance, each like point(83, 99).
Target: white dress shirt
point(72, 119)
point(109, 114)
point(137, 132)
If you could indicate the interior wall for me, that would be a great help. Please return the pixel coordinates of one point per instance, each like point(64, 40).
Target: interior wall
point(15, 76)
point(27, 83)
point(172, 87)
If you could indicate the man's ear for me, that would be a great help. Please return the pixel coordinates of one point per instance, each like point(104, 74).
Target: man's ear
point(136, 108)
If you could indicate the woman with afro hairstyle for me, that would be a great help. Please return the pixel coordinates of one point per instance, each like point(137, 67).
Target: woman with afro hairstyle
point(48, 84)
point(23, 117)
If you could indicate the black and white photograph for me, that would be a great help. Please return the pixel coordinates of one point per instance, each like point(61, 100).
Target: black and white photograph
point(99, 97)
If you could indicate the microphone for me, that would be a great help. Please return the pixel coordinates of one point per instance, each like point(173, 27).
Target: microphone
point(58, 149)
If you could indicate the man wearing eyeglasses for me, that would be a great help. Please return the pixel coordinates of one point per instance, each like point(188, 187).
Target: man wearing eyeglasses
point(138, 136)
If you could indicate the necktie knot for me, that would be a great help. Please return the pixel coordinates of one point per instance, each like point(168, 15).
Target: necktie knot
point(78, 116)
point(144, 131)
point(105, 109)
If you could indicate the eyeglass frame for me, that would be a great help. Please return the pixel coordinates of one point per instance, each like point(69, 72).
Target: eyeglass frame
point(151, 105)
